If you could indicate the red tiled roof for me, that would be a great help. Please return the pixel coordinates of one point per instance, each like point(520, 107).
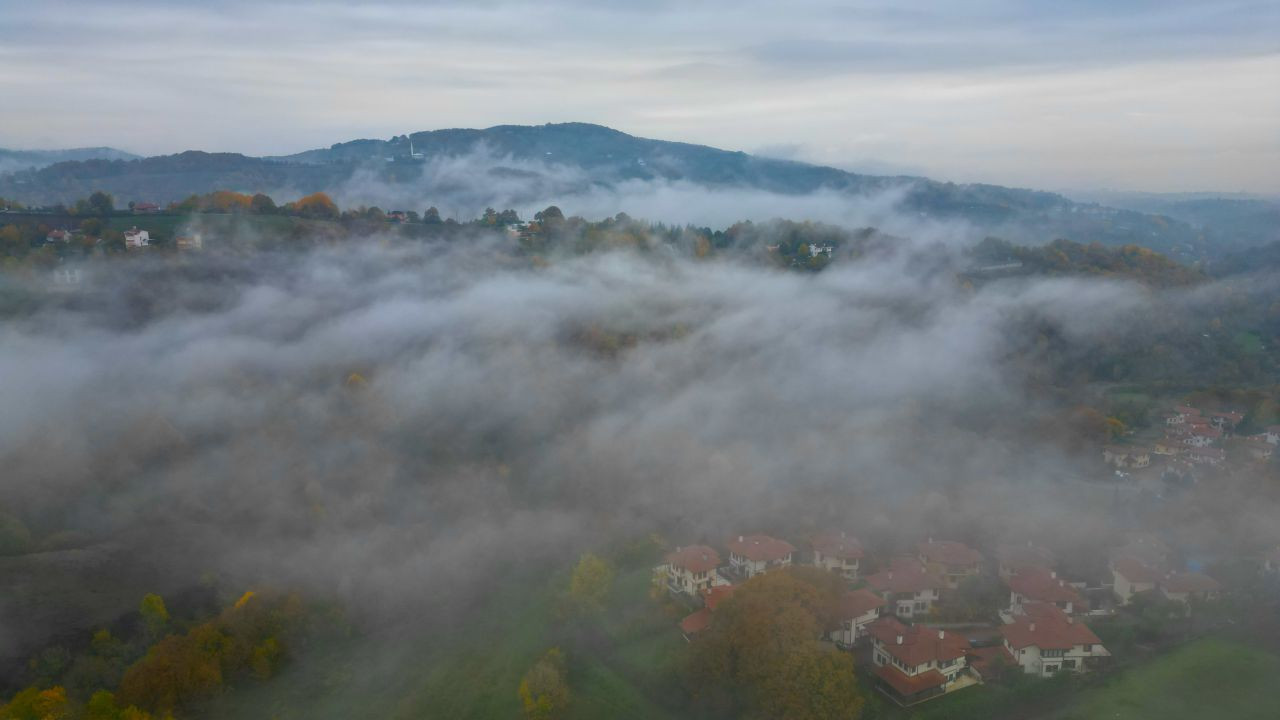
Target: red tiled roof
point(696, 621)
point(948, 552)
point(1042, 586)
point(713, 596)
point(1206, 431)
point(1134, 570)
point(984, 660)
point(836, 544)
point(904, 575)
point(920, 643)
point(908, 685)
point(1048, 628)
point(1186, 410)
point(1189, 582)
point(695, 558)
point(857, 603)
point(760, 547)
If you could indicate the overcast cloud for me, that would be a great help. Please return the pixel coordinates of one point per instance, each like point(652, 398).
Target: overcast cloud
point(1132, 95)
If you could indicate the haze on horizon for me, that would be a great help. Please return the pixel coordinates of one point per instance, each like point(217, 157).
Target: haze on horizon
point(1155, 96)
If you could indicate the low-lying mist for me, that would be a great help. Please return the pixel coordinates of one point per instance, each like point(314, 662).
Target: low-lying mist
point(398, 425)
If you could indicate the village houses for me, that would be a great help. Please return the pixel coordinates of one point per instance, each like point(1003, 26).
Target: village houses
point(1017, 558)
point(1044, 641)
point(908, 588)
point(750, 555)
point(1187, 588)
point(838, 552)
point(1045, 587)
point(1131, 576)
point(952, 560)
point(914, 663)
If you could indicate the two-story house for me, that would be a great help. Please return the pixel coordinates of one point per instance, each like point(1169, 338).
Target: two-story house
point(954, 561)
point(914, 663)
point(1131, 576)
point(1043, 586)
point(838, 552)
point(858, 609)
point(750, 555)
point(1045, 641)
point(1189, 587)
point(908, 588)
point(692, 569)
point(135, 238)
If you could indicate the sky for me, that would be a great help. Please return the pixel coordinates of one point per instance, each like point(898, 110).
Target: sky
point(1157, 96)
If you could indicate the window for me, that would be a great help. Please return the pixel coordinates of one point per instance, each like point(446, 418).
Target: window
point(1052, 653)
point(946, 663)
point(919, 607)
point(1069, 664)
point(1050, 669)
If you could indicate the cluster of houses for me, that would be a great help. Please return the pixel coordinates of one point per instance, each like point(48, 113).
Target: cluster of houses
point(1192, 437)
point(1041, 631)
point(1144, 566)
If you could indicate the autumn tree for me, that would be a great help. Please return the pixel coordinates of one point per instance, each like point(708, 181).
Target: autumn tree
point(155, 616)
point(590, 583)
point(765, 643)
point(316, 205)
point(36, 704)
point(544, 689)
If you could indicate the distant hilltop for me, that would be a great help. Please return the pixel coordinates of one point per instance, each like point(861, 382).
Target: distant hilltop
point(542, 164)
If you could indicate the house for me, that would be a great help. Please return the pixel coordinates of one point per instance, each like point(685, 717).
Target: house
point(190, 242)
point(145, 208)
point(1045, 641)
point(858, 609)
point(65, 277)
point(397, 216)
point(1225, 421)
point(750, 555)
point(1272, 435)
point(908, 588)
point(1167, 446)
point(695, 622)
point(58, 236)
point(1202, 436)
point(1186, 412)
point(1131, 576)
point(1189, 587)
point(1014, 559)
point(838, 552)
point(953, 560)
point(914, 663)
point(135, 238)
point(1043, 586)
point(1205, 455)
point(692, 569)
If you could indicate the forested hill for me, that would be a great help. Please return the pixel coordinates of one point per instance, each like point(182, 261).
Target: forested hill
point(538, 165)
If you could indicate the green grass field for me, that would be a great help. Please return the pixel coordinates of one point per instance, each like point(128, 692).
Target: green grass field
point(1210, 678)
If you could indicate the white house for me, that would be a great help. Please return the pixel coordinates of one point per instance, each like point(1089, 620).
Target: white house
point(1188, 587)
point(907, 587)
point(858, 609)
point(914, 663)
point(1045, 641)
point(691, 569)
point(1272, 435)
point(135, 238)
point(750, 555)
point(838, 552)
point(1131, 576)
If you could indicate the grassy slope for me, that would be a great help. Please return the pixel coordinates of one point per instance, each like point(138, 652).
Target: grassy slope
point(1208, 678)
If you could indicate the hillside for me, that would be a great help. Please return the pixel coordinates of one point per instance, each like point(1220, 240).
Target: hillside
point(537, 165)
point(14, 160)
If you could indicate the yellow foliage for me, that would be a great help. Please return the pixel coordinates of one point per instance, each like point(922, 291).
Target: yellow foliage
point(244, 599)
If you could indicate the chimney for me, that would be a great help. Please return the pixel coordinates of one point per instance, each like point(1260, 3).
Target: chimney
point(739, 538)
point(942, 634)
point(1053, 574)
point(1032, 627)
point(1071, 620)
point(899, 639)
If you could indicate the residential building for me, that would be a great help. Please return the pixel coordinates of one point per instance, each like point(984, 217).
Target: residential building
point(838, 552)
point(1189, 587)
point(1272, 435)
point(1131, 576)
point(58, 236)
point(1045, 641)
point(858, 609)
point(692, 569)
point(1205, 455)
point(1226, 421)
point(1126, 456)
point(954, 561)
point(1045, 587)
point(190, 242)
point(914, 663)
point(908, 588)
point(145, 208)
point(750, 555)
point(135, 238)
point(1167, 446)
